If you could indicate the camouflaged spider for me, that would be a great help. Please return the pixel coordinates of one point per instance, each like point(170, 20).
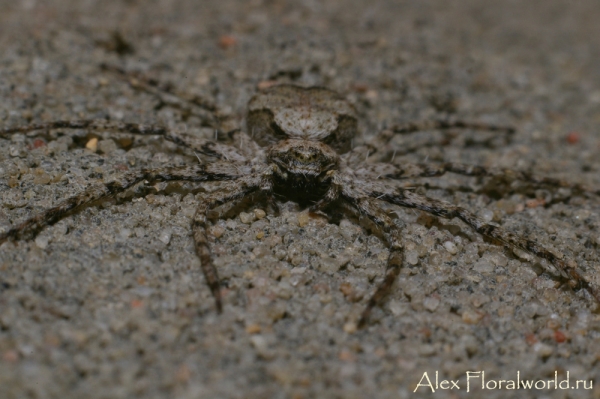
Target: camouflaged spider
point(298, 146)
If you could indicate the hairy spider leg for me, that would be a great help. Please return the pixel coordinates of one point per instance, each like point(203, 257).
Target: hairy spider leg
point(361, 204)
point(367, 206)
point(381, 141)
point(227, 194)
point(195, 105)
point(206, 147)
point(408, 199)
point(414, 170)
point(98, 191)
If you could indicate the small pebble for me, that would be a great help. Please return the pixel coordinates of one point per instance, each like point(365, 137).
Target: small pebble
point(217, 231)
point(284, 290)
point(559, 336)
point(41, 242)
point(431, 303)
point(227, 41)
point(253, 328)
point(542, 349)
point(483, 265)
point(427, 350)
point(16, 151)
point(303, 219)
point(330, 265)
point(412, 257)
point(259, 213)
point(92, 144)
point(450, 247)
point(573, 137)
point(471, 317)
point(247, 218)
point(479, 299)
point(107, 146)
point(230, 224)
point(260, 251)
point(260, 343)
point(165, 236)
point(398, 308)
point(523, 255)
point(350, 327)
point(41, 177)
point(487, 215)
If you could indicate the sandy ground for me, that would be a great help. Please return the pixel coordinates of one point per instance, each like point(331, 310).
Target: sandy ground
point(110, 301)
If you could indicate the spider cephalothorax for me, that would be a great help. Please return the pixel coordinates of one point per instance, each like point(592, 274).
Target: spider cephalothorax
point(301, 168)
point(306, 156)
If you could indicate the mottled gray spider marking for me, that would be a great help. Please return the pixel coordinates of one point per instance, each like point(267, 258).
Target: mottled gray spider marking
point(311, 114)
point(302, 153)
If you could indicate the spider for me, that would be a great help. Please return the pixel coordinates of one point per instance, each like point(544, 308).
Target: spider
point(298, 146)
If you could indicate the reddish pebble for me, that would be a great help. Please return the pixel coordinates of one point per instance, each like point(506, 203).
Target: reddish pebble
point(530, 339)
point(183, 374)
point(265, 84)
point(573, 138)
point(347, 356)
point(425, 331)
point(346, 289)
point(10, 356)
point(360, 87)
point(534, 203)
point(227, 41)
point(136, 303)
point(559, 336)
point(37, 143)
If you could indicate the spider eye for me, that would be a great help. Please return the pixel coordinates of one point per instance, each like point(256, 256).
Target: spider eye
point(305, 156)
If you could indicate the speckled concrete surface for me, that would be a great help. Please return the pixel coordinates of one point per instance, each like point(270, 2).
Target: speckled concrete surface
point(110, 301)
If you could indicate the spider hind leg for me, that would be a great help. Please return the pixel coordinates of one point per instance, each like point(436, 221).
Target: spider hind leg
point(567, 269)
point(364, 205)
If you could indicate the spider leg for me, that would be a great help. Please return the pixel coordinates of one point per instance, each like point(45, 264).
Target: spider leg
point(367, 206)
point(410, 170)
point(333, 192)
point(206, 147)
point(190, 104)
point(444, 124)
point(568, 269)
point(244, 143)
point(232, 192)
point(101, 190)
point(381, 140)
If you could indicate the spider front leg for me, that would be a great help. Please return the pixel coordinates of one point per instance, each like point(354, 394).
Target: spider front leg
point(238, 189)
point(244, 143)
point(206, 147)
point(411, 170)
point(334, 179)
point(445, 124)
point(189, 104)
point(98, 191)
point(206, 110)
point(408, 199)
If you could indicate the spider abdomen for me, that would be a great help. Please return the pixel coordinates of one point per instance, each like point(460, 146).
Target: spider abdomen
point(292, 112)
